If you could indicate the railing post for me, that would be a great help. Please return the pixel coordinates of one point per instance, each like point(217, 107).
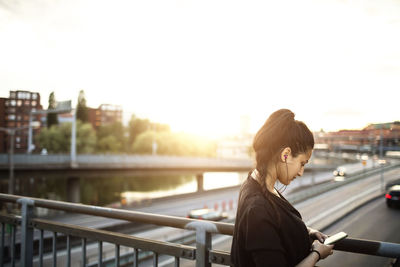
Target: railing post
point(26, 232)
point(203, 241)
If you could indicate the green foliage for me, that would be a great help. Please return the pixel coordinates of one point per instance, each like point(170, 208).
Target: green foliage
point(111, 138)
point(137, 126)
point(81, 108)
point(85, 138)
point(52, 118)
point(57, 139)
point(109, 144)
point(178, 144)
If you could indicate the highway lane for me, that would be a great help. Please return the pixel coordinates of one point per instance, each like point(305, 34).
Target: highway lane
point(373, 221)
point(312, 209)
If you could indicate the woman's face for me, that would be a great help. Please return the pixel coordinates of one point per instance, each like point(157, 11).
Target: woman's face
point(293, 167)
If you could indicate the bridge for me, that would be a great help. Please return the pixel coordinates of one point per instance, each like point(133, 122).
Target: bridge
point(132, 163)
point(104, 166)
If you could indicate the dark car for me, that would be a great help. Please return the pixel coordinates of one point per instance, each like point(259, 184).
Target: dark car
point(392, 183)
point(393, 196)
point(207, 214)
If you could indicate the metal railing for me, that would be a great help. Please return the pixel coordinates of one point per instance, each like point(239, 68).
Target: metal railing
point(24, 247)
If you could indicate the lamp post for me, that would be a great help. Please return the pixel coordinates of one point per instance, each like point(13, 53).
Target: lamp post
point(11, 133)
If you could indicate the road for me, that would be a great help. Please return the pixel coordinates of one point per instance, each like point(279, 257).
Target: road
point(374, 222)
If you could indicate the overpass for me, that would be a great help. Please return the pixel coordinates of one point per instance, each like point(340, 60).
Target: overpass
point(105, 166)
point(135, 163)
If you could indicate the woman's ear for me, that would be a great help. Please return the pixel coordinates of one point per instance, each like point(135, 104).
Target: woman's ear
point(285, 154)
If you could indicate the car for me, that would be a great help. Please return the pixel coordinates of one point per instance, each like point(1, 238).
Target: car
point(340, 171)
point(393, 196)
point(207, 214)
point(392, 183)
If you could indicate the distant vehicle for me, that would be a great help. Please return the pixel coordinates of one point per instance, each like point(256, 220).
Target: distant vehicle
point(393, 196)
point(340, 171)
point(207, 214)
point(392, 183)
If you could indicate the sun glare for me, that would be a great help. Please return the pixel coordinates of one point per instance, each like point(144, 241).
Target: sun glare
point(200, 66)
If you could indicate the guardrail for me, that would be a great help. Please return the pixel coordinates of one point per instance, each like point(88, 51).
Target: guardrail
point(325, 187)
point(22, 230)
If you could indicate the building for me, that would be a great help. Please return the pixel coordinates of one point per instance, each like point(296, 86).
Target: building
point(105, 114)
point(366, 140)
point(15, 111)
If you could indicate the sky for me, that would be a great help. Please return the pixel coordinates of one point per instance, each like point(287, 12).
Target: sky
point(203, 66)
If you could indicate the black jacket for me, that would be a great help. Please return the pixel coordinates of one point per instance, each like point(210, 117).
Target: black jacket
point(268, 231)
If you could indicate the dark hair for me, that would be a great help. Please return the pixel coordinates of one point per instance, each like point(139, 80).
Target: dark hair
point(279, 131)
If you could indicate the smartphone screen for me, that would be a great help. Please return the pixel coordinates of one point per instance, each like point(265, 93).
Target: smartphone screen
point(335, 238)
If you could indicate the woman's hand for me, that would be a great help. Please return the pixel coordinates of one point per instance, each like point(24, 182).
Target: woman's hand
point(316, 235)
point(324, 250)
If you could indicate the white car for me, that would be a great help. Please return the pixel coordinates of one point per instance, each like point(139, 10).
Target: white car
point(340, 171)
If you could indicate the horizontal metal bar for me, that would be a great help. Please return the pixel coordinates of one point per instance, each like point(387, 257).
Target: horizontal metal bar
point(369, 247)
point(220, 257)
point(10, 219)
point(133, 216)
point(117, 238)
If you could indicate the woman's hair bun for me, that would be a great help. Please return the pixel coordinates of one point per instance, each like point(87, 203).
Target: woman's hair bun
point(283, 116)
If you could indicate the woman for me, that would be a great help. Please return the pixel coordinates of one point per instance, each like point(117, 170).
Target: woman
point(269, 231)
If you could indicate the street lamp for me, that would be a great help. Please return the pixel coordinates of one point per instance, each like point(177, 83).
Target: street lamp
point(11, 133)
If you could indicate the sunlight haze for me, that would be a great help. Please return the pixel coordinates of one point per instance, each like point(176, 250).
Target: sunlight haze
point(200, 66)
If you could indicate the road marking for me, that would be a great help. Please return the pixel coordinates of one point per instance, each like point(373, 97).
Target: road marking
point(341, 205)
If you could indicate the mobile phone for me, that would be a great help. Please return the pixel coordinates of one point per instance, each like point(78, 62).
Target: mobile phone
point(335, 238)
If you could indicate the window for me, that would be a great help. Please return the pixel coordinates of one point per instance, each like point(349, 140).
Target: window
point(13, 103)
point(19, 103)
point(11, 110)
point(12, 94)
point(17, 139)
point(33, 103)
point(34, 95)
point(18, 117)
point(27, 103)
point(11, 117)
point(24, 95)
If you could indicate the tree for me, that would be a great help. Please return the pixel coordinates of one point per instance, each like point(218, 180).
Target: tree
point(81, 108)
point(57, 139)
point(178, 144)
point(111, 138)
point(137, 126)
point(52, 118)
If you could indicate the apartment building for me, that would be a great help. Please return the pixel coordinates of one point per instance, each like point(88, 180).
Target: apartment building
point(14, 114)
point(105, 114)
